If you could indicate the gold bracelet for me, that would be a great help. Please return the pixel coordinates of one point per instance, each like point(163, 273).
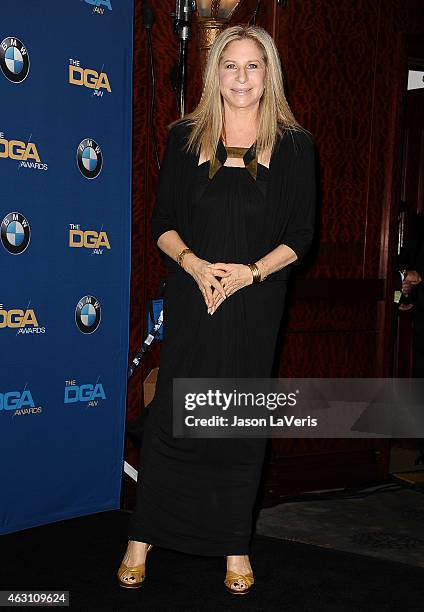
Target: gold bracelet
point(181, 255)
point(255, 272)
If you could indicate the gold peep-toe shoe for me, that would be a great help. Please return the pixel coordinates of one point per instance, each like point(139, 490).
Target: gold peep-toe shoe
point(132, 577)
point(244, 580)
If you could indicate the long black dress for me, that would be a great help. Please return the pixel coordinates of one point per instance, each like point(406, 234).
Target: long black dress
point(197, 495)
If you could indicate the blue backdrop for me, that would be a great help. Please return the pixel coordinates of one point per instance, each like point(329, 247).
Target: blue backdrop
point(65, 213)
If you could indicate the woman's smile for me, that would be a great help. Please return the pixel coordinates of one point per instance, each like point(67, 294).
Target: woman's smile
point(241, 92)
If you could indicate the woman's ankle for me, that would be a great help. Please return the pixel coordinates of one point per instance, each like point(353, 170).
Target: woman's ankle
point(136, 553)
point(137, 543)
point(239, 563)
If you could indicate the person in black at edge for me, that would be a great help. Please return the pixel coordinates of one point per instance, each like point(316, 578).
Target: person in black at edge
point(411, 258)
point(412, 255)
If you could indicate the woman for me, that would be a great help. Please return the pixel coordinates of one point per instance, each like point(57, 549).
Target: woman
point(234, 211)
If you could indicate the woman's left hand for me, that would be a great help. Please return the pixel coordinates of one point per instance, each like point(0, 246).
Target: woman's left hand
point(233, 278)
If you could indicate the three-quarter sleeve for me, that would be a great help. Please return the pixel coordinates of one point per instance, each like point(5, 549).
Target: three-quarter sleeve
point(299, 231)
point(164, 213)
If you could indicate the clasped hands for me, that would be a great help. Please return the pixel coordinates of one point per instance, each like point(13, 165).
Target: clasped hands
point(231, 278)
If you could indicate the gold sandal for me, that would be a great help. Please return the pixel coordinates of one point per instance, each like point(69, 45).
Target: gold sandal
point(244, 580)
point(132, 577)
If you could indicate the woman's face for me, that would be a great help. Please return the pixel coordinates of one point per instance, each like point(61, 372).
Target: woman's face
point(242, 74)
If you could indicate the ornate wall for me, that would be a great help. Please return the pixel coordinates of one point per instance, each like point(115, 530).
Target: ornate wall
point(345, 69)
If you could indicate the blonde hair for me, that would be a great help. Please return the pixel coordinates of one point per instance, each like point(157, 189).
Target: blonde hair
point(275, 116)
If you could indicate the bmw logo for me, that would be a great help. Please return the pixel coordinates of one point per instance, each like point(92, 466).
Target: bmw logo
point(89, 158)
point(15, 233)
point(14, 59)
point(88, 314)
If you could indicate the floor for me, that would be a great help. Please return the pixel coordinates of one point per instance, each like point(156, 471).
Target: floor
point(385, 521)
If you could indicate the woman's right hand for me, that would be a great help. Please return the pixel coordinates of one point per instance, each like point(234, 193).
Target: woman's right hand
point(199, 270)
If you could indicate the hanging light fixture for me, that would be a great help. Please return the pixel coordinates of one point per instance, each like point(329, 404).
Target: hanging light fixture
point(217, 9)
point(212, 16)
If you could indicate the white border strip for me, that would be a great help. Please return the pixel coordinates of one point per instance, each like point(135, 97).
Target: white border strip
point(132, 472)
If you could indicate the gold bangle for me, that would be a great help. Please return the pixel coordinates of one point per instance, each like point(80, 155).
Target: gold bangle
point(181, 255)
point(255, 272)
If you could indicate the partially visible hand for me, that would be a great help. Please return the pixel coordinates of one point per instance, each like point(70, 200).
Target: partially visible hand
point(233, 278)
point(413, 277)
point(199, 269)
point(406, 287)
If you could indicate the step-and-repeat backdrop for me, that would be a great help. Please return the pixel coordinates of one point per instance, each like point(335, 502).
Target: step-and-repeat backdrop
point(65, 214)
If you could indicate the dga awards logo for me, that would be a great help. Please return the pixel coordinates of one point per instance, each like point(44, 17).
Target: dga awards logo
point(88, 393)
point(26, 153)
point(99, 6)
point(94, 241)
point(20, 402)
point(89, 158)
point(24, 321)
point(98, 82)
point(88, 314)
point(15, 233)
point(14, 59)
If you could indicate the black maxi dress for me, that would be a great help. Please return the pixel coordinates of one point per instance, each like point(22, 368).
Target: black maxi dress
point(197, 495)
